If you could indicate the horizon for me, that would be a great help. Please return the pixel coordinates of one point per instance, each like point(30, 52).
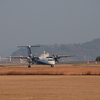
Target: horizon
point(16, 48)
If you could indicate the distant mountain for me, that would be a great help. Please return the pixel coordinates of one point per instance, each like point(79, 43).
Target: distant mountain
point(7, 52)
point(85, 51)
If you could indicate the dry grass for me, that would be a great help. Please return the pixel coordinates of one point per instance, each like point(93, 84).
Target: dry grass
point(62, 87)
point(64, 82)
point(63, 69)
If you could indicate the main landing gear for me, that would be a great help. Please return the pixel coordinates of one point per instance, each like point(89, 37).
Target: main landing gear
point(52, 65)
point(29, 66)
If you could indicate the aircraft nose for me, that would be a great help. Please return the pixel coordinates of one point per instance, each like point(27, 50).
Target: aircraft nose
point(52, 62)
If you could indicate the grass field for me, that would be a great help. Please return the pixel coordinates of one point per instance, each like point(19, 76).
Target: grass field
point(64, 82)
point(60, 69)
point(49, 87)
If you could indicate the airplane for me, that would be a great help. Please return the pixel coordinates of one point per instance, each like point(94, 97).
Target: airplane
point(31, 59)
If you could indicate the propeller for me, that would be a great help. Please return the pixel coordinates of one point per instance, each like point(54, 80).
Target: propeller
point(33, 59)
point(55, 58)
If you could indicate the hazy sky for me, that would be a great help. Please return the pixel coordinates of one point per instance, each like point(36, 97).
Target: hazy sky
point(30, 22)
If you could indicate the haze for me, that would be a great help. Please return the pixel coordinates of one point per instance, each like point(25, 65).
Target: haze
point(31, 22)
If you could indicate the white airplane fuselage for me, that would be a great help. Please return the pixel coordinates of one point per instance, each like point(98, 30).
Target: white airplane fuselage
point(45, 61)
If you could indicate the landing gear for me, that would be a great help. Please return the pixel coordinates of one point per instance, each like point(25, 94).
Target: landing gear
point(29, 66)
point(52, 65)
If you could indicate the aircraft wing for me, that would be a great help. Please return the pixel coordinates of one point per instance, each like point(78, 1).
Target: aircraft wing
point(20, 57)
point(62, 56)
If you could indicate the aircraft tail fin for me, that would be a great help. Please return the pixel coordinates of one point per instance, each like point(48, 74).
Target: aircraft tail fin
point(29, 50)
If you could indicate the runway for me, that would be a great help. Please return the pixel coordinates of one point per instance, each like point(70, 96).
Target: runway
point(59, 69)
point(58, 65)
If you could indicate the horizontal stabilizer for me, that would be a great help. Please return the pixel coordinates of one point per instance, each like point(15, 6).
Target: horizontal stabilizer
point(29, 46)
